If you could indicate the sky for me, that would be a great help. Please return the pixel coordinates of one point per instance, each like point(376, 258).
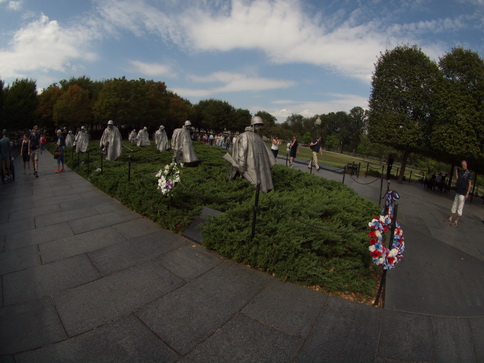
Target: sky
point(280, 56)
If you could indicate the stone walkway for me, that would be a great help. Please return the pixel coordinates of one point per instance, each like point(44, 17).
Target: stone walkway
point(84, 278)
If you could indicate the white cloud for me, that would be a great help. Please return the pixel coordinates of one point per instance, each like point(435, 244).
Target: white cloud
point(332, 102)
point(232, 82)
point(152, 69)
point(14, 5)
point(43, 45)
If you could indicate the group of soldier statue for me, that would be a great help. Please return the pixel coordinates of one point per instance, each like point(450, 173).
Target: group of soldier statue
point(250, 158)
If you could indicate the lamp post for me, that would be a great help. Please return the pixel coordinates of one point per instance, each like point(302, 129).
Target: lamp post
point(318, 123)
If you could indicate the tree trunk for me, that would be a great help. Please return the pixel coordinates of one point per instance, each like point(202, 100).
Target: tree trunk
point(406, 153)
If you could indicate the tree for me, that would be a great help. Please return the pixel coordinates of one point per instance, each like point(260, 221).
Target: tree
point(177, 111)
point(403, 86)
point(73, 108)
point(20, 104)
point(45, 107)
point(214, 115)
point(458, 130)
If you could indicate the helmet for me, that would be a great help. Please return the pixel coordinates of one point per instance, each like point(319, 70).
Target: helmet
point(187, 123)
point(256, 120)
point(144, 128)
point(110, 122)
point(162, 127)
point(83, 128)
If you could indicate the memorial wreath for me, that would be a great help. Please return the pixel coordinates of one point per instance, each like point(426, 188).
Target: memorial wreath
point(380, 254)
point(168, 177)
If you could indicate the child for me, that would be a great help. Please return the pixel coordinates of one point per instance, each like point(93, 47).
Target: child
point(61, 148)
point(24, 152)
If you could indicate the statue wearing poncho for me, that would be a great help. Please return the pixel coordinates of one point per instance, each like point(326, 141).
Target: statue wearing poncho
point(132, 137)
point(143, 138)
point(161, 139)
point(181, 144)
point(69, 139)
point(111, 142)
point(253, 158)
point(81, 141)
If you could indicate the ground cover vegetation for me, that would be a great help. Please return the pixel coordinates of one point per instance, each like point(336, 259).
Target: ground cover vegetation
point(297, 231)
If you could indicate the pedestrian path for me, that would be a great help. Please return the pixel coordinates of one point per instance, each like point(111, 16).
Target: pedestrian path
point(84, 278)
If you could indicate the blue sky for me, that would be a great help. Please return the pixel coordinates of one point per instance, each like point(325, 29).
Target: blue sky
point(280, 56)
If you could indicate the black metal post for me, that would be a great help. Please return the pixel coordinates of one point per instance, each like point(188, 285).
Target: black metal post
point(410, 177)
point(381, 183)
point(344, 174)
point(88, 166)
point(358, 173)
point(287, 157)
point(367, 166)
point(310, 166)
point(129, 167)
point(353, 165)
point(256, 205)
point(380, 288)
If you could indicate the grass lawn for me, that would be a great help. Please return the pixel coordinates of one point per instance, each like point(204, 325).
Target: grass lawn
point(309, 230)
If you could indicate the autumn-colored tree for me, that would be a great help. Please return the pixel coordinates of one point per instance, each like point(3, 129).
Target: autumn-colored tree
point(45, 107)
point(73, 108)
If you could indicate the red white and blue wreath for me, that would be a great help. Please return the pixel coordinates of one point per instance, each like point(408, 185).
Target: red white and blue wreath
point(380, 254)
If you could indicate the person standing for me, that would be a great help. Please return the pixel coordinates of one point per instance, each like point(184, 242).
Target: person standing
point(161, 139)
point(5, 154)
point(390, 166)
point(81, 141)
point(34, 149)
point(462, 189)
point(24, 152)
point(293, 150)
point(315, 146)
point(60, 148)
point(275, 146)
point(181, 143)
point(43, 142)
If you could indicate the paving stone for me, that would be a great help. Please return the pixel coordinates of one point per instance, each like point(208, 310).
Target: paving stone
point(195, 311)
point(344, 332)
point(19, 259)
point(96, 303)
point(124, 340)
point(18, 225)
point(190, 261)
point(245, 340)
point(128, 253)
point(452, 343)
point(82, 202)
point(477, 329)
point(44, 280)
point(101, 220)
point(62, 217)
point(406, 337)
point(33, 212)
point(194, 231)
point(78, 244)
point(288, 307)
point(28, 326)
point(38, 235)
point(137, 227)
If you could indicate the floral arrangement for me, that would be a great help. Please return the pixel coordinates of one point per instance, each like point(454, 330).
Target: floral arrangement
point(168, 177)
point(380, 254)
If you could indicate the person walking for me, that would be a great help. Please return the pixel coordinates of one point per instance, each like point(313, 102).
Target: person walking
point(24, 152)
point(5, 154)
point(293, 150)
point(34, 149)
point(315, 146)
point(60, 148)
point(462, 189)
point(275, 146)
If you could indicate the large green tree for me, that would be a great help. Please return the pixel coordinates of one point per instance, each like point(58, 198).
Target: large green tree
point(404, 83)
point(20, 104)
point(458, 130)
point(214, 115)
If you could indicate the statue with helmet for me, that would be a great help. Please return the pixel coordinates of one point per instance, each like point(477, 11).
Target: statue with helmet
point(143, 138)
point(110, 142)
point(181, 143)
point(251, 157)
point(161, 139)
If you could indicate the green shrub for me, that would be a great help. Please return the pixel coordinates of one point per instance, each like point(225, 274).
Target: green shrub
point(297, 234)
